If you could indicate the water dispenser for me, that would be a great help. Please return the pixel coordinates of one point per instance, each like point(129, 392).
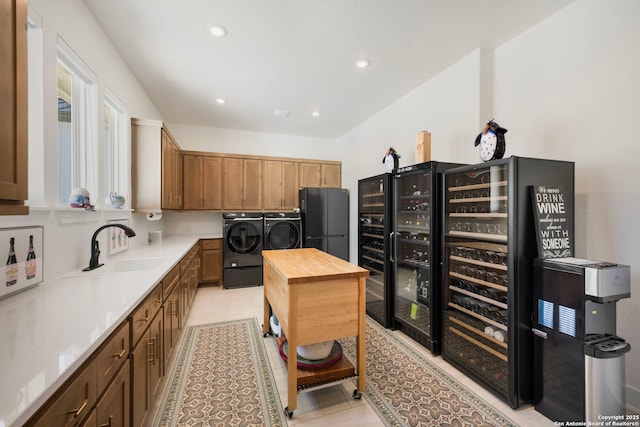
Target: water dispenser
point(578, 357)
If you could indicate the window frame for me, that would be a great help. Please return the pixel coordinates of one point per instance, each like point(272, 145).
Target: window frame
point(84, 129)
point(117, 147)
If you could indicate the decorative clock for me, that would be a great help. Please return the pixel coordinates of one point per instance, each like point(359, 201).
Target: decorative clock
point(491, 141)
point(391, 160)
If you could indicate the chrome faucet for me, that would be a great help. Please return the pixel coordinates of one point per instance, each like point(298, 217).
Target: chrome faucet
point(95, 246)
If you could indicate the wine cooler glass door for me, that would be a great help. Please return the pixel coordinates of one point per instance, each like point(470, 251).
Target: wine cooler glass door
point(476, 327)
point(412, 255)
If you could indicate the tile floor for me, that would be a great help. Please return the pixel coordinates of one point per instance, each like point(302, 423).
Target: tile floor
point(331, 406)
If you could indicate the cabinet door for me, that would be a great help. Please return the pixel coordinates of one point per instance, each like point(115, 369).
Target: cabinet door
point(211, 265)
point(114, 408)
point(252, 178)
point(272, 184)
point(212, 183)
point(331, 175)
point(309, 175)
point(140, 357)
point(232, 179)
point(177, 176)
point(193, 183)
point(289, 185)
point(146, 371)
point(168, 170)
point(13, 108)
point(156, 368)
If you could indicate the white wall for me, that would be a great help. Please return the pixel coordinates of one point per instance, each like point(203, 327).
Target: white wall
point(67, 246)
point(566, 89)
point(569, 89)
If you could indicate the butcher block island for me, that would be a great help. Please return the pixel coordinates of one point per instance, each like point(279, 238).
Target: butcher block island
point(316, 297)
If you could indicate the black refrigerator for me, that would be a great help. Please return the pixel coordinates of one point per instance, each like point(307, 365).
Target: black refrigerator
point(489, 247)
point(325, 220)
point(374, 235)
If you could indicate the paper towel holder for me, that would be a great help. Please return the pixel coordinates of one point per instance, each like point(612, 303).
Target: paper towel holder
point(153, 216)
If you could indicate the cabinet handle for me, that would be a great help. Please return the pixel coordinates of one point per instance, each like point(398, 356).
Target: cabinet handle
point(76, 412)
point(149, 354)
point(146, 319)
point(107, 424)
point(119, 355)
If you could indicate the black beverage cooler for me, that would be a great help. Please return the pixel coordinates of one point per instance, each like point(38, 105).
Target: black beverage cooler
point(417, 259)
point(489, 248)
point(374, 230)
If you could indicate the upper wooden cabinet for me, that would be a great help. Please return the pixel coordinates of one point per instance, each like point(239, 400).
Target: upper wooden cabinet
point(13, 108)
point(319, 174)
point(156, 173)
point(280, 185)
point(202, 181)
point(242, 180)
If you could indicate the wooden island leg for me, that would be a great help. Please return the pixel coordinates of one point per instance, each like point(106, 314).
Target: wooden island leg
point(265, 280)
point(362, 356)
point(292, 354)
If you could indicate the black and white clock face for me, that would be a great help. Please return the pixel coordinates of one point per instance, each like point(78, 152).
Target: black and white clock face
point(488, 145)
point(389, 163)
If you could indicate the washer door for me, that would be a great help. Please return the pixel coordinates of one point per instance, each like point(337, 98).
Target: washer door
point(282, 235)
point(243, 237)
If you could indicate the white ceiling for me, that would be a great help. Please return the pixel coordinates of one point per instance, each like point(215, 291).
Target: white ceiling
point(298, 55)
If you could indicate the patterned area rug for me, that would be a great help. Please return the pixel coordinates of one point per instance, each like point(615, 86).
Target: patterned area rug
point(221, 377)
point(406, 389)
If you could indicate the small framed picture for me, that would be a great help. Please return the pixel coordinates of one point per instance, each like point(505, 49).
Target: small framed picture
point(23, 250)
point(117, 240)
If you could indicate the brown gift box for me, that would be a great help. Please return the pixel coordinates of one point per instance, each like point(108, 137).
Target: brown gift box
point(423, 147)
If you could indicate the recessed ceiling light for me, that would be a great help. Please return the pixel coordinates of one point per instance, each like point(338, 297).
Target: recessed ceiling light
point(363, 63)
point(218, 30)
point(316, 114)
point(221, 100)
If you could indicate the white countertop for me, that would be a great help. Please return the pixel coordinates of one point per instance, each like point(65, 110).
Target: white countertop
point(48, 331)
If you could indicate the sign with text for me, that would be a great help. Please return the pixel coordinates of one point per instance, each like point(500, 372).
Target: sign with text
point(554, 224)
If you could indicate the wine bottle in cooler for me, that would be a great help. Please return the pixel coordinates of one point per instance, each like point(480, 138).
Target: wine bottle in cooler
point(30, 266)
point(12, 265)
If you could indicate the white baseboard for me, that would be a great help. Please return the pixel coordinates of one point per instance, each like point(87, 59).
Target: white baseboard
point(633, 400)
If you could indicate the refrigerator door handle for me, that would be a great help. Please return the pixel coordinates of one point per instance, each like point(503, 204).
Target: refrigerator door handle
point(393, 246)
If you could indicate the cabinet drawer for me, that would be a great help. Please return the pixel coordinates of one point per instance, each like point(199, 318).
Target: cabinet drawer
point(186, 260)
point(112, 356)
point(144, 314)
point(210, 244)
point(73, 405)
point(170, 281)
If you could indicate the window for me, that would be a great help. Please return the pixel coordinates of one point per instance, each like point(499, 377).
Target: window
point(77, 125)
point(116, 146)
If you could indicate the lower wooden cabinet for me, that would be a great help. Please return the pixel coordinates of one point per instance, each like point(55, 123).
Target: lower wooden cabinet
point(118, 384)
point(211, 261)
point(114, 408)
point(146, 370)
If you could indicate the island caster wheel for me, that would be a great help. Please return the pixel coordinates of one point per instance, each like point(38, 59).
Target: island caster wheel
point(357, 395)
point(288, 413)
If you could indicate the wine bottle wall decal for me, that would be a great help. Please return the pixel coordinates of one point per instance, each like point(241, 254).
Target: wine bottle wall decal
point(12, 264)
point(31, 265)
